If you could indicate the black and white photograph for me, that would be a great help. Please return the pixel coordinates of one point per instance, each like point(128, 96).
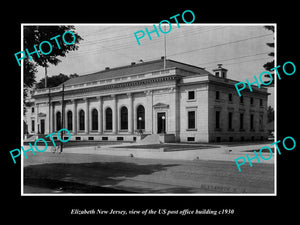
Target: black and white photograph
point(153, 112)
point(149, 116)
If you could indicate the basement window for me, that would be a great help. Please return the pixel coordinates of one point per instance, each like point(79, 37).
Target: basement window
point(190, 138)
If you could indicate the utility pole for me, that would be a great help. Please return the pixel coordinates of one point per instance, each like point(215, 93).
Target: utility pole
point(63, 116)
point(49, 110)
point(46, 76)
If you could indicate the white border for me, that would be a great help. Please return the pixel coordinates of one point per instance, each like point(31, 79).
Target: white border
point(146, 24)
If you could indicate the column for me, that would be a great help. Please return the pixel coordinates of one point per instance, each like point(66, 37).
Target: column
point(66, 115)
point(100, 115)
point(173, 118)
point(115, 114)
point(74, 117)
point(149, 112)
point(86, 116)
point(54, 119)
point(48, 119)
point(63, 114)
point(130, 113)
point(51, 116)
point(36, 130)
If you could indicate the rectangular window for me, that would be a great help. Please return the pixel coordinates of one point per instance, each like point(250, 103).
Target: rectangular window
point(32, 109)
point(191, 95)
point(260, 102)
point(191, 119)
point(230, 97)
point(241, 121)
point(217, 95)
point(32, 125)
point(217, 119)
point(242, 99)
point(230, 121)
point(251, 122)
point(251, 101)
point(261, 118)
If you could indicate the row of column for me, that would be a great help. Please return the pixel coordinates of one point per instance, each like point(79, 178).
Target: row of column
point(101, 116)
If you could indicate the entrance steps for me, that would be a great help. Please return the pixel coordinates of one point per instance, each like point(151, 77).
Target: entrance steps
point(157, 139)
point(149, 139)
point(37, 136)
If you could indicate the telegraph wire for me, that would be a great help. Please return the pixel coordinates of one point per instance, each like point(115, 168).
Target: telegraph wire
point(183, 52)
point(239, 57)
point(130, 36)
point(115, 48)
point(228, 64)
point(222, 44)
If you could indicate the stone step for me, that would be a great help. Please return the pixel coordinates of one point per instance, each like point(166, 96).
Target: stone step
point(150, 139)
point(157, 139)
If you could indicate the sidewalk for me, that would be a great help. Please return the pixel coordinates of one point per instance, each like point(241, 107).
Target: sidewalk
point(221, 152)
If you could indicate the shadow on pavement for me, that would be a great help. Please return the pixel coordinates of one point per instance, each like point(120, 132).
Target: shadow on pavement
point(95, 177)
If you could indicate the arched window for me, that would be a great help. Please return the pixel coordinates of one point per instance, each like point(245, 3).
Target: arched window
point(58, 121)
point(94, 119)
point(108, 119)
point(69, 120)
point(140, 117)
point(124, 118)
point(81, 120)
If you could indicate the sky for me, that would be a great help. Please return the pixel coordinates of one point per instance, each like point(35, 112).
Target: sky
point(240, 48)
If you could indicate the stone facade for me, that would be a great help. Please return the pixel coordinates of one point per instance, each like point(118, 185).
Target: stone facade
point(186, 101)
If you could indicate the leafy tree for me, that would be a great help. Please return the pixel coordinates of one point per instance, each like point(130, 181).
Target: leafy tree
point(33, 36)
point(270, 65)
point(54, 81)
point(270, 114)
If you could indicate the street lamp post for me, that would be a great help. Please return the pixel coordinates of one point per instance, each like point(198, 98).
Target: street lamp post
point(163, 124)
point(140, 125)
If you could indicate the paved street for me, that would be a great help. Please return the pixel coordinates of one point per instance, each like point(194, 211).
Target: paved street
point(96, 173)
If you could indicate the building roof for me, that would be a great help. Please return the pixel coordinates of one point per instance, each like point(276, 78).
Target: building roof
point(136, 68)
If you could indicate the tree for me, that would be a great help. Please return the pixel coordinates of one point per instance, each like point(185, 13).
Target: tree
point(54, 81)
point(270, 114)
point(269, 65)
point(29, 79)
point(34, 35)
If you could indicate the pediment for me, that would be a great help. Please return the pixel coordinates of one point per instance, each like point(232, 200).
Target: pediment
point(41, 114)
point(160, 105)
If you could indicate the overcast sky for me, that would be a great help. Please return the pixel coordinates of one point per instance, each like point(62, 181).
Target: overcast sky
point(240, 48)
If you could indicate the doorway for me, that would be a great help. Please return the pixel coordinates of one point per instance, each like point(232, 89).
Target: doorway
point(42, 126)
point(161, 122)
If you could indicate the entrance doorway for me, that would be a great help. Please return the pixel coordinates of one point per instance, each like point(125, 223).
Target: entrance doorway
point(42, 126)
point(161, 122)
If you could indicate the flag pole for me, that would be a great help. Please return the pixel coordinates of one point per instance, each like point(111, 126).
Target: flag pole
point(165, 47)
